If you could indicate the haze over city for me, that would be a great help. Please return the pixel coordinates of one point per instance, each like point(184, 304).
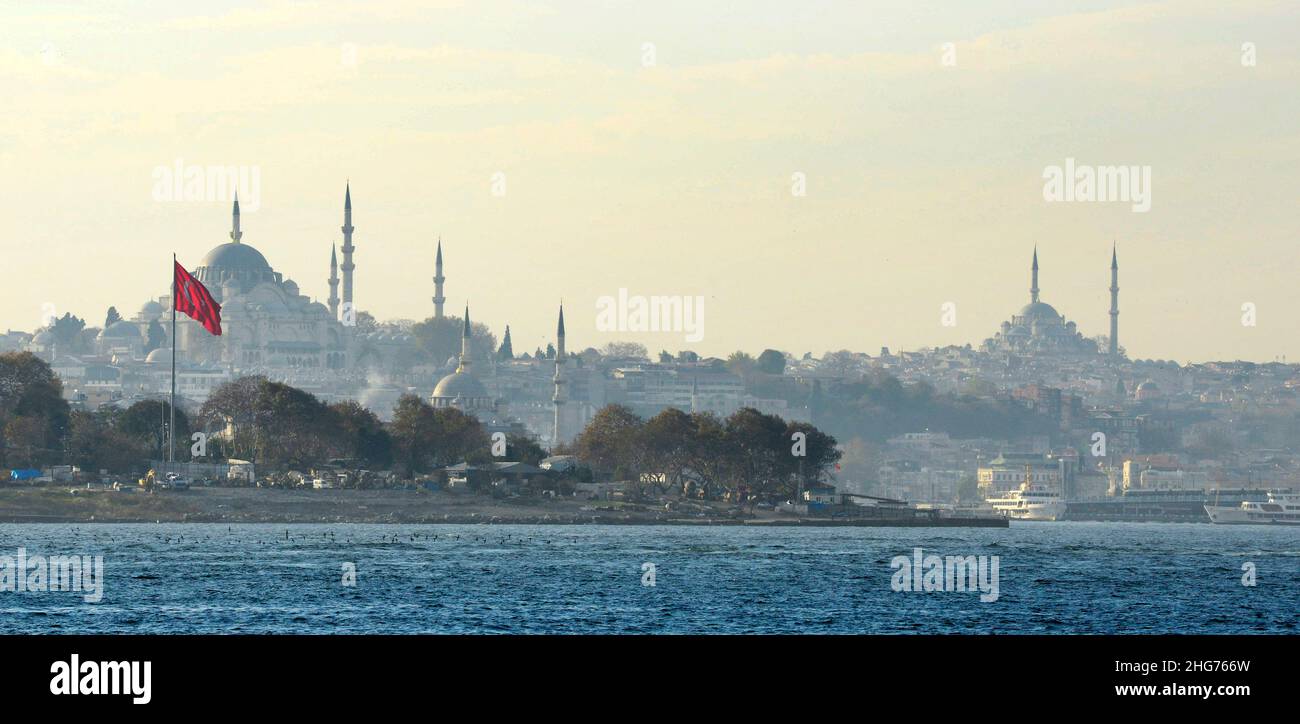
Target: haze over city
point(656, 148)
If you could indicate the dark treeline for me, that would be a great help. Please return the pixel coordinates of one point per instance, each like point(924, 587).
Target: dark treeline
point(280, 427)
point(748, 450)
point(251, 418)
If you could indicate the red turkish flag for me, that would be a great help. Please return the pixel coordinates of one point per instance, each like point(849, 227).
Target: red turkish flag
point(192, 298)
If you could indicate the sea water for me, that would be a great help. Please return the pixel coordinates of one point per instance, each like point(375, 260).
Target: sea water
point(353, 578)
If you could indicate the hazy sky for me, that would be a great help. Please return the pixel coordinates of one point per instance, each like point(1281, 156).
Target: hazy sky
point(667, 169)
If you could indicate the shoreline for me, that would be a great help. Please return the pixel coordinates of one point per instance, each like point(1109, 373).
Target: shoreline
point(60, 505)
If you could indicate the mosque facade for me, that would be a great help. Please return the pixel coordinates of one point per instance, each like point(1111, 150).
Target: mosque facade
point(1038, 329)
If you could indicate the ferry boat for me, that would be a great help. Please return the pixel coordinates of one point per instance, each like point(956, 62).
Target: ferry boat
point(1030, 502)
point(1279, 509)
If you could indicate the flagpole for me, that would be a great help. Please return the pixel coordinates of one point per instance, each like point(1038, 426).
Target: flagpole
point(171, 427)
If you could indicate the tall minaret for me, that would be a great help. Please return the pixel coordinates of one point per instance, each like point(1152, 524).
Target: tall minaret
point(1033, 287)
point(695, 394)
point(235, 233)
point(334, 283)
point(438, 279)
point(1114, 302)
point(465, 360)
point(348, 266)
point(559, 398)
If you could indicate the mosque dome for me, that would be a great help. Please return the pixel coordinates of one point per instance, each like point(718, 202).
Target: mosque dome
point(460, 384)
point(162, 355)
point(120, 330)
point(152, 309)
point(1039, 311)
point(236, 257)
point(44, 337)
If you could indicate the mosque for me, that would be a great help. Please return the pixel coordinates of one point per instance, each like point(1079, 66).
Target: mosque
point(1038, 329)
point(269, 327)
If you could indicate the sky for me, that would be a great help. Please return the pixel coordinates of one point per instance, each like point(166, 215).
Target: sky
point(823, 175)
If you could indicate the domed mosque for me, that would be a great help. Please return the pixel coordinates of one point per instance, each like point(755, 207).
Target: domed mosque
point(266, 322)
point(1039, 329)
point(462, 389)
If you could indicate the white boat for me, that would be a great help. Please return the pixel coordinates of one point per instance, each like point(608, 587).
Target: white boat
point(1030, 501)
point(1279, 509)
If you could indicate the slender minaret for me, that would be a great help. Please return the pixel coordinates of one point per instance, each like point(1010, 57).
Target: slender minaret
point(438, 279)
point(695, 394)
point(465, 360)
point(235, 233)
point(334, 282)
point(1114, 302)
point(559, 398)
point(348, 266)
point(1033, 287)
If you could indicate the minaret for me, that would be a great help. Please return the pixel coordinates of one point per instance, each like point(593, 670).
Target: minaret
point(438, 279)
point(334, 283)
point(1033, 287)
point(348, 266)
point(235, 233)
point(465, 361)
point(695, 394)
point(1114, 302)
point(559, 398)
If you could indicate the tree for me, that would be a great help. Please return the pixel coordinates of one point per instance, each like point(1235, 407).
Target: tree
point(233, 408)
point(667, 441)
point(143, 423)
point(67, 333)
point(412, 428)
point(507, 350)
point(112, 317)
point(157, 336)
point(360, 435)
point(95, 444)
point(524, 449)
point(33, 414)
point(440, 339)
point(550, 351)
point(820, 454)
point(292, 426)
point(740, 364)
point(458, 437)
point(632, 350)
point(770, 362)
point(665, 357)
point(610, 442)
point(761, 449)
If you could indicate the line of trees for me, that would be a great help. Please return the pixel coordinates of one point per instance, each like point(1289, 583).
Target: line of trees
point(747, 453)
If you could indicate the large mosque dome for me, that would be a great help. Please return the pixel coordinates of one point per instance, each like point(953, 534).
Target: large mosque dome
point(236, 257)
point(1039, 311)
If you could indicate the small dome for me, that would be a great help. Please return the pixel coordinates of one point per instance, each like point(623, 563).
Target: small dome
point(120, 330)
point(43, 337)
point(236, 257)
point(151, 309)
point(162, 355)
point(460, 384)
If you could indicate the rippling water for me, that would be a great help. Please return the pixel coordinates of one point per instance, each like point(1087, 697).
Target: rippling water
point(1053, 578)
